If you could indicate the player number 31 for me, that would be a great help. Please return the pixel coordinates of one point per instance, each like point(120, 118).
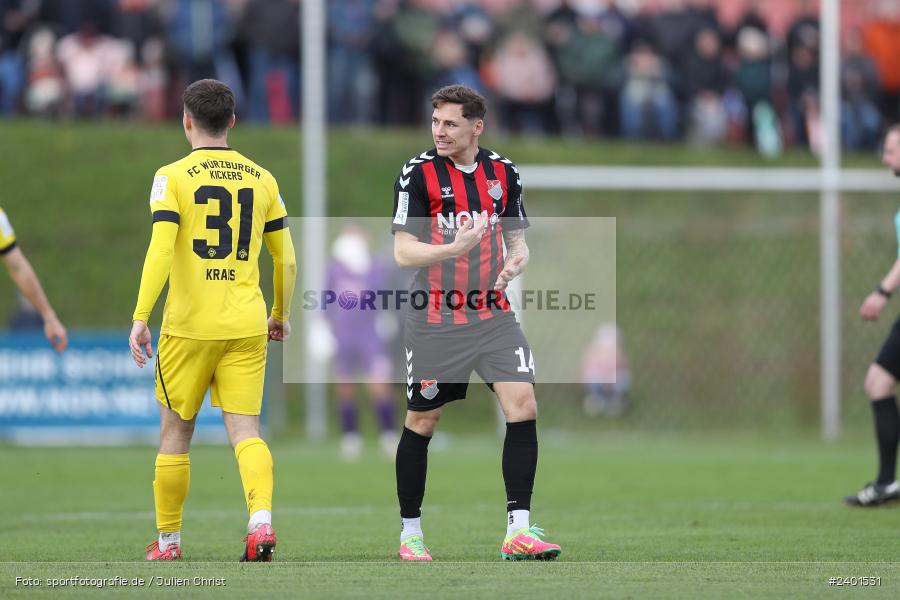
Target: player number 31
point(219, 222)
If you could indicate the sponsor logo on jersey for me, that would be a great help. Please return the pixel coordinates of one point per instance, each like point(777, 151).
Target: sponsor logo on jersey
point(158, 191)
point(429, 388)
point(5, 226)
point(449, 223)
point(446, 192)
point(402, 208)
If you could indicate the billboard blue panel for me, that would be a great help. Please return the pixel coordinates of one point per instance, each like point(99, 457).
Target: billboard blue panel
point(92, 393)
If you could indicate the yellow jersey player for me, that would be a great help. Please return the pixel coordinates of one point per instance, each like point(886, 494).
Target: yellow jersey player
point(28, 283)
point(212, 210)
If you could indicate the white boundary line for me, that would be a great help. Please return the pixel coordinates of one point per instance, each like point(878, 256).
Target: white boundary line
point(203, 514)
point(436, 563)
point(701, 178)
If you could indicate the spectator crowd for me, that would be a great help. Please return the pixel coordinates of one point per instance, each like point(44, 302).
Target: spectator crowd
point(637, 69)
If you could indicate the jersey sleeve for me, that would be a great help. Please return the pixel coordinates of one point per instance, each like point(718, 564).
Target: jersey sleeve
point(281, 247)
point(412, 211)
point(157, 265)
point(276, 217)
point(163, 198)
point(7, 235)
point(284, 272)
point(514, 216)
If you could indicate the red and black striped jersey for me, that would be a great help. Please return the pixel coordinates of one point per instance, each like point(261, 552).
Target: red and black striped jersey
point(433, 197)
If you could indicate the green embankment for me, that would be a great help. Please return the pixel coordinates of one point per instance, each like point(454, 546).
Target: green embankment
point(717, 294)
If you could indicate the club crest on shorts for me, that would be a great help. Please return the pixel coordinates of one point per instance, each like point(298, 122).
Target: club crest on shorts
point(494, 189)
point(429, 388)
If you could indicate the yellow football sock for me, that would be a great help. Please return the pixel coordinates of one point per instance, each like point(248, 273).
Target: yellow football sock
point(170, 488)
point(255, 465)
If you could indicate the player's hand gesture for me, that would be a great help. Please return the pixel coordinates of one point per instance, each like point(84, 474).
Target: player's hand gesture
point(56, 333)
point(872, 306)
point(470, 233)
point(512, 268)
point(139, 341)
point(279, 331)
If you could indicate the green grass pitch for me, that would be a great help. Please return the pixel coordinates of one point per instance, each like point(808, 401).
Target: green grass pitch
point(638, 516)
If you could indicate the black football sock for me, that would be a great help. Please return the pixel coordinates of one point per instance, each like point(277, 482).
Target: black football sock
point(520, 453)
point(887, 433)
point(412, 465)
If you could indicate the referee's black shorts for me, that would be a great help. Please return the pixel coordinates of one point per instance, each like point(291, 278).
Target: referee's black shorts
point(440, 358)
point(889, 355)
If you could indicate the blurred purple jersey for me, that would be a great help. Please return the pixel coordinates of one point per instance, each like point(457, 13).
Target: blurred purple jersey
point(360, 349)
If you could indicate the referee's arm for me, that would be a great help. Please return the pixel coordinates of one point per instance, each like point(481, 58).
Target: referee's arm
point(875, 302)
point(410, 252)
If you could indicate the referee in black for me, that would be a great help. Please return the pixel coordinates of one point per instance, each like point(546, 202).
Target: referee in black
point(456, 206)
point(881, 380)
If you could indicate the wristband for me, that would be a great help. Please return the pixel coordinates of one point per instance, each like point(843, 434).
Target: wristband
point(883, 292)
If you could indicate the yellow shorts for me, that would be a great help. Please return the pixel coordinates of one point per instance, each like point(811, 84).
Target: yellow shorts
point(233, 370)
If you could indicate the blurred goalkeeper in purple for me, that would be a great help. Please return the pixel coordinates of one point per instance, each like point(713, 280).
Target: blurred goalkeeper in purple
point(361, 341)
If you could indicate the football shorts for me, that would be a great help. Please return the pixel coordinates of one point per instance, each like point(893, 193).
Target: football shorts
point(233, 370)
point(889, 355)
point(440, 358)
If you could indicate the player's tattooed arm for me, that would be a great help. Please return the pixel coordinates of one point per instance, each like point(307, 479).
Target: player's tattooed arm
point(516, 246)
point(517, 256)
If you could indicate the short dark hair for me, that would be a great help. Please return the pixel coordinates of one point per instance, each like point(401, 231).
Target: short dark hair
point(473, 104)
point(210, 103)
point(895, 128)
